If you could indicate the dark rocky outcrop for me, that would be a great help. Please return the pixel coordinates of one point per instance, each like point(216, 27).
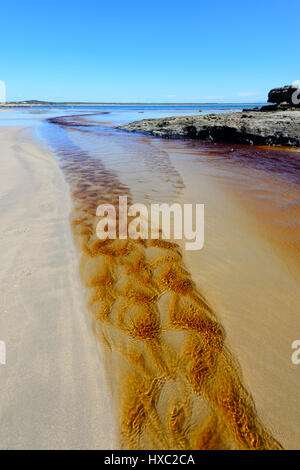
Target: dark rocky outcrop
point(286, 98)
point(283, 95)
point(254, 128)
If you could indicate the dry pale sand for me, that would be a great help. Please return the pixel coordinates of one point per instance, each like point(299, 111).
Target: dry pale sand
point(53, 389)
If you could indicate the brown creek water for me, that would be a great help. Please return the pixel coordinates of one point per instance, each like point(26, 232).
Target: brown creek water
point(196, 345)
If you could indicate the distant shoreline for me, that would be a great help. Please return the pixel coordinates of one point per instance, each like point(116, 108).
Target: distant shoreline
point(54, 104)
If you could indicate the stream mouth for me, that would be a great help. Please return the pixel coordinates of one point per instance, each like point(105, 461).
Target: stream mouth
point(174, 382)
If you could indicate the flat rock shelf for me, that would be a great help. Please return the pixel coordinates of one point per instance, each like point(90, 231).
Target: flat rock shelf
point(281, 128)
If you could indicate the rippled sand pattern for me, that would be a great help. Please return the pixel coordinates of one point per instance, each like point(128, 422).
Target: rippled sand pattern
point(175, 384)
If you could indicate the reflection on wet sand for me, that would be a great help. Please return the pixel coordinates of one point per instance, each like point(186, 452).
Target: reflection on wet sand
point(175, 384)
point(265, 182)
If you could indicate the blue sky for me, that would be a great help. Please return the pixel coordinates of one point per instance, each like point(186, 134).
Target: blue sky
point(155, 51)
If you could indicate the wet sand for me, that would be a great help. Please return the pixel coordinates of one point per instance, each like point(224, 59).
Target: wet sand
point(249, 270)
point(169, 320)
point(196, 346)
point(53, 390)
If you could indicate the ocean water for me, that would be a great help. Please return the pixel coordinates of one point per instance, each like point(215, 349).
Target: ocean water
point(120, 114)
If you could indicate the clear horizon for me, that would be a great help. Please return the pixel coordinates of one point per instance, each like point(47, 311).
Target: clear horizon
point(141, 103)
point(196, 52)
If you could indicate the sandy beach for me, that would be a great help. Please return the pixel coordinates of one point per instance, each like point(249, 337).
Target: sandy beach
point(150, 229)
point(53, 389)
point(142, 344)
